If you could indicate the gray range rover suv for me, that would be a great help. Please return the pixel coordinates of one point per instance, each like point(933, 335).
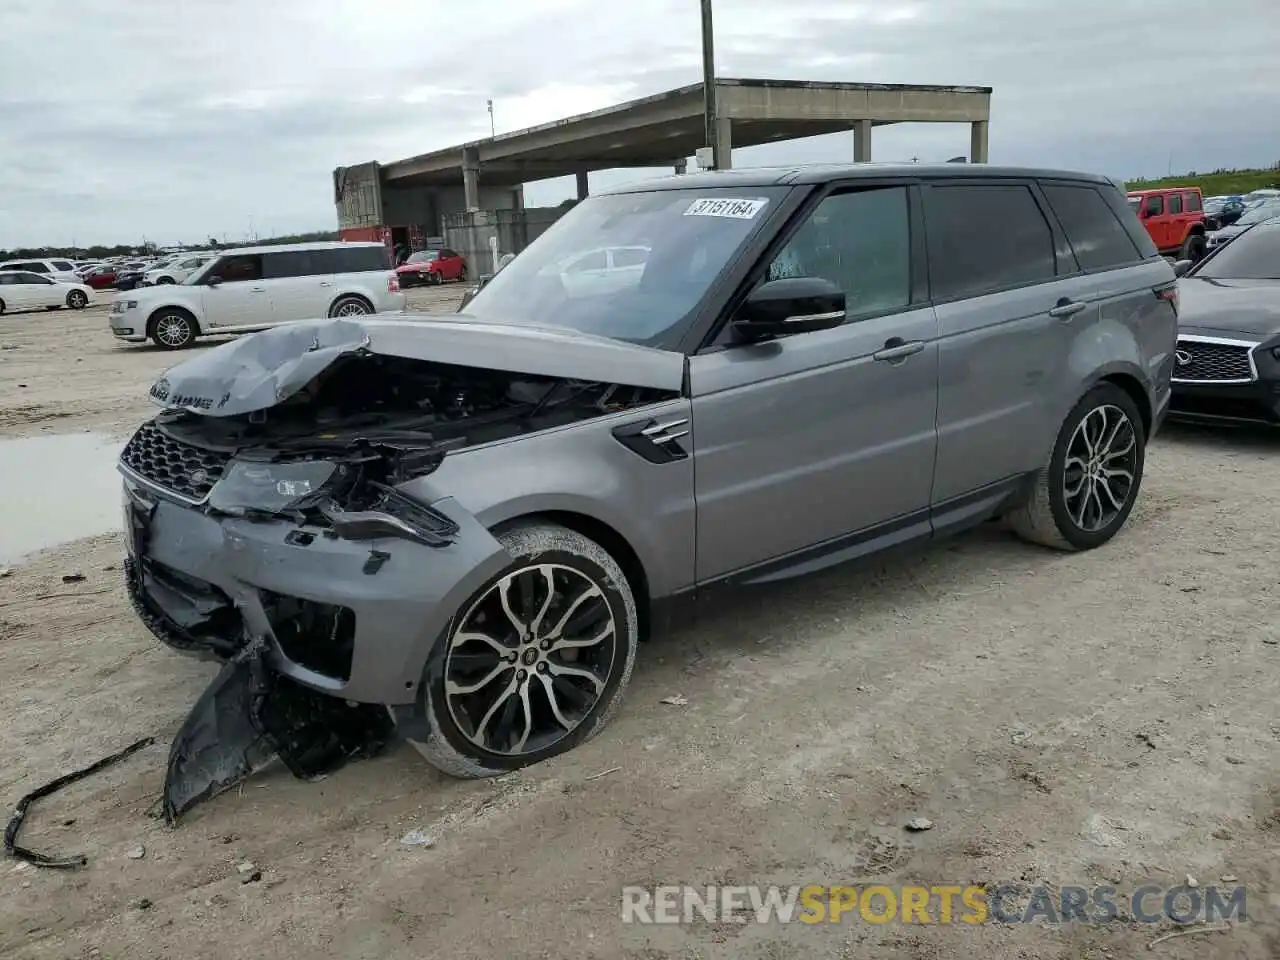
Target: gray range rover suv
point(459, 527)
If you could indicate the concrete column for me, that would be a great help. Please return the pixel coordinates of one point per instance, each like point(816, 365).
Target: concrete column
point(681, 166)
point(978, 141)
point(471, 178)
point(862, 141)
point(583, 186)
point(724, 143)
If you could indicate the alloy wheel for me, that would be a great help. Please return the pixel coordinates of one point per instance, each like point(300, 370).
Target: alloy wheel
point(351, 309)
point(529, 660)
point(1099, 470)
point(173, 330)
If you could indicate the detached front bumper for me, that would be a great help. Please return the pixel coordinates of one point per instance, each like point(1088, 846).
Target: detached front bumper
point(352, 619)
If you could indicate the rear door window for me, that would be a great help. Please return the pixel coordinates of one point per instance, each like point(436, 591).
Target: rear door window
point(1175, 203)
point(985, 237)
point(290, 263)
point(1095, 233)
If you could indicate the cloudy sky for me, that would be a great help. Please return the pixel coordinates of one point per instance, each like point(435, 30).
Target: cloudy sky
point(177, 121)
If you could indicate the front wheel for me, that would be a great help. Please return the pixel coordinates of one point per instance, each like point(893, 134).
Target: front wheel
point(1086, 492)
point(161, 281)
point(536, 660)
point(76, 300)
point(173, 329)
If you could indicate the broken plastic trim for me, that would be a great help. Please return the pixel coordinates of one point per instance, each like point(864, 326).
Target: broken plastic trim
point(250, 714)
point(392, 515)
point(24, 805)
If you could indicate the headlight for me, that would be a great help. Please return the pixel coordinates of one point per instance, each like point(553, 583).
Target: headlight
point(249, 486)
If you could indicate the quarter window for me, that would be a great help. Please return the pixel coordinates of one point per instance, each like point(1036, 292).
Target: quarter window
point(984, 238)
point(860, 241)
point(1193, 202)
point(1096, 234)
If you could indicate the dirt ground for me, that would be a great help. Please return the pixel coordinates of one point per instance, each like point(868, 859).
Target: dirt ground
point(1105, 718)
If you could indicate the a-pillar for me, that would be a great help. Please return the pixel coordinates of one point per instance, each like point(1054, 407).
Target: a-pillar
point(681, 166)
point(471, 177)
point(724, 143)
point(583, 186)
point(862, 141)
point(978, 141)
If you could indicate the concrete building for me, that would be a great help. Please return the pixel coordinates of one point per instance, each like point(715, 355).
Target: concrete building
point(467, 189)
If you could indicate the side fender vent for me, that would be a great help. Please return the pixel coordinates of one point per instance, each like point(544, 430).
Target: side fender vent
point(656, 441)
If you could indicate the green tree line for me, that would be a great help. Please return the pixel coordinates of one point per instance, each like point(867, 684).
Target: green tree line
point(1216, 183)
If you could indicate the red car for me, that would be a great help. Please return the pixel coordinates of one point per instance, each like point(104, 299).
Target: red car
point(431, 266)
point(102, 278)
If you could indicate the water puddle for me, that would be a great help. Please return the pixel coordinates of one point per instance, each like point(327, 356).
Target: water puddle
point(56, 489)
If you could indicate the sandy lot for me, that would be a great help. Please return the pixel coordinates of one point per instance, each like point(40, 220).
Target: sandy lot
point(1106, 718)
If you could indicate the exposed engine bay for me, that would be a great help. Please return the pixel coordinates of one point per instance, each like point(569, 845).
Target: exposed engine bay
point(325, 462)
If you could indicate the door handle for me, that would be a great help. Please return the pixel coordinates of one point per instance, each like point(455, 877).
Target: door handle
point(1066, 308)
point(257, 289)
point(325, 283)
point(895, 348)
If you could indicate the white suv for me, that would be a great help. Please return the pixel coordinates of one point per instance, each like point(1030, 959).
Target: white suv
point(176, 269)
point(258, 287)
point(63, 271)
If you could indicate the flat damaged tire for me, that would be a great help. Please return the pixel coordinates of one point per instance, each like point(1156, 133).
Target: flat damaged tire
point(534, 663)
point(1086, 492)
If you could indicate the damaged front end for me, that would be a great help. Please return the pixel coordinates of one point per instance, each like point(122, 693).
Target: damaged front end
point(275, 522)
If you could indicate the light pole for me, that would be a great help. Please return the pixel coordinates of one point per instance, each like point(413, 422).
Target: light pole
point(493, 131)
point(709, 84)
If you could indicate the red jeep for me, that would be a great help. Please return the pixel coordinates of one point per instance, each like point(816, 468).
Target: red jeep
point(1173, 218)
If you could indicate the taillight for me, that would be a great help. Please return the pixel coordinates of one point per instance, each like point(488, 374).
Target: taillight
point(393, 284)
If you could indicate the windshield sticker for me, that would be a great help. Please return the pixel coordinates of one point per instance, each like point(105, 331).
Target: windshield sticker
point(733, 209)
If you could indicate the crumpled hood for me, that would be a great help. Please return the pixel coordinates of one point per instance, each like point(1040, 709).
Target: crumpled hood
point(260, 370)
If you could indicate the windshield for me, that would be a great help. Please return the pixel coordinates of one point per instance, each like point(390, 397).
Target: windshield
point(632, 266)
point(423, 256)
point(1254, 255)
point(1263, 211)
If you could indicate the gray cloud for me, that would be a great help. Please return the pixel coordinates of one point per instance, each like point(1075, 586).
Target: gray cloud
point(176, 121)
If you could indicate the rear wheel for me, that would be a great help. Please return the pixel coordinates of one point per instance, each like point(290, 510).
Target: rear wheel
point(160, 281)
point(173, 329)
point(1086, 492)
point(1193, 248)
point(350, 307)
point(2, 306)
point(462, 273)
point(534, 663)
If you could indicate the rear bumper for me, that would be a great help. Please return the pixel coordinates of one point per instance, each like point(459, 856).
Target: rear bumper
point(351, 619)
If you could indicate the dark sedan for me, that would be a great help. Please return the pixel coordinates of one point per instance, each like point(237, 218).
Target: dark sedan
point(1228, 360)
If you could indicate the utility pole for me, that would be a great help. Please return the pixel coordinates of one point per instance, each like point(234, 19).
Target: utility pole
point(709, 84)
point(493, 131)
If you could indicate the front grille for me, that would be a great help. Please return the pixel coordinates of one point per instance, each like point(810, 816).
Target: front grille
point(184, 470)
point(1201, 362)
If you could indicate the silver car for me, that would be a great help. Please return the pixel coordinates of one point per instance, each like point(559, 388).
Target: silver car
point(459, 529)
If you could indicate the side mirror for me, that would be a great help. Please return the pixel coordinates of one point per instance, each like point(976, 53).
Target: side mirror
point(1182, 266)
point(212, 281)
point(778, 308)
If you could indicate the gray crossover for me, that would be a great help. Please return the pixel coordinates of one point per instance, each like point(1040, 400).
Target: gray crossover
point(456, 529)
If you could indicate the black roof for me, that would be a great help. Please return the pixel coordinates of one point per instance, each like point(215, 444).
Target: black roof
point(825, 172)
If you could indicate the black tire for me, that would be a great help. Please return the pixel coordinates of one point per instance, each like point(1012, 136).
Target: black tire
point(172, 328)
point(161, 281)
point(462, 274)
point(576, 561)
point(2, 306)
point(1193, 248)
point(76, 300)
point(1049, 517)
point(350, 307)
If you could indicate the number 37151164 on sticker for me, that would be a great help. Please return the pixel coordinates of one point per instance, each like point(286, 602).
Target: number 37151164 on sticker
point(734, 209)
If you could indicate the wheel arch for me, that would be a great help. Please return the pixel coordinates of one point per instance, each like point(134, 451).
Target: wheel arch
point(1132, 386)
point(611, 539)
